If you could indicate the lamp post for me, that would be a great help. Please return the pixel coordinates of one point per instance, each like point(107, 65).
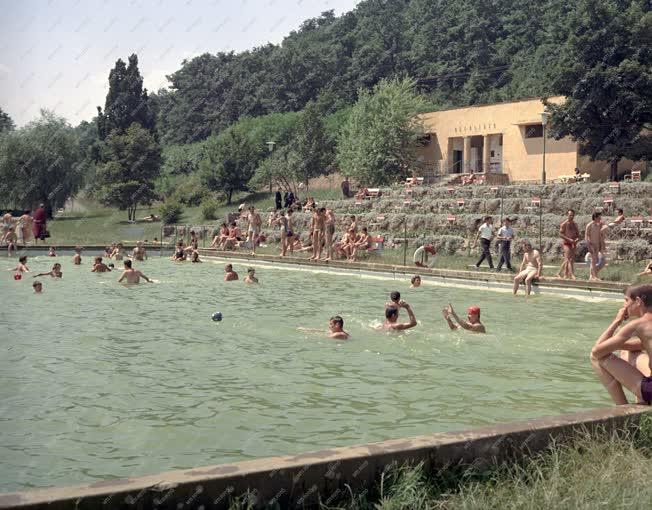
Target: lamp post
point(270, 148)
point(544, 120)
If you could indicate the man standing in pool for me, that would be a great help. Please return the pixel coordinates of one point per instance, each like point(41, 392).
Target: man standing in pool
point(132, 275)
point(613, 372)
point(229, 274)
point(473, 316)
point(391, 318)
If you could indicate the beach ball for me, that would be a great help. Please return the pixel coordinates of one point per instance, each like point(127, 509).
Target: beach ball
point(18, 276)
point(217, 316)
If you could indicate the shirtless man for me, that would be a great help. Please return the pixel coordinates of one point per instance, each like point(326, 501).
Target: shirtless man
point(251, 276)
point(614, 372)
point(620, 217)
point(318, 227)
point(22, 265)
point(253, 230)
point(336, 328)
point(54, 273)
point(473, 315)
point(38, 287)
point(229, 274)
point(570, 235)
point(221, 237)
point(231, 240)
point(329, 225)
point(132, 275)
point(391, 318)
point(594, 237)
point(361, 243)
point(99, 266)
point(530, 268)
point(76, 258)
point(139, 252)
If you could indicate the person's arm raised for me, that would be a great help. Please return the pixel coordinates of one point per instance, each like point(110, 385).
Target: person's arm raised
point(413, 319)
point(450, 323)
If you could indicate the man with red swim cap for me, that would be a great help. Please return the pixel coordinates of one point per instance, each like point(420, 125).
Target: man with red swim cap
point(472, 324)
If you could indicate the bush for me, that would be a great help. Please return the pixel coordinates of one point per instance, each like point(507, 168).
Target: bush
point(171, 213)
point(209, 209)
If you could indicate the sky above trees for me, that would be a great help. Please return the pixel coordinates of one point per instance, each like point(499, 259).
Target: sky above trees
point(57, 54)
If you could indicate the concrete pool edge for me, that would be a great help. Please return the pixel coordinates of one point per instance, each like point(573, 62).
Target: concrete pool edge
point(303, 479)
point(475, 277)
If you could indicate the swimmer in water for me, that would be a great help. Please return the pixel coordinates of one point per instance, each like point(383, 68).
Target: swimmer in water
point(335, 329)
point(76, 258)
point(52, 252)
point(139, 252)
point(54, 273)
point(132, 275)
point(99, 266)
point(394, 300)
point(251, 276)
point(415, 281)
point(229, 274)
point(22, 265)
point(473, 316)
point(38, 287)
point(391, 318)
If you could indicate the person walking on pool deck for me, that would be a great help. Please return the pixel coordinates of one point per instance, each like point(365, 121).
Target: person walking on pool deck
point(613, 372)
point(570, 235)
point(473, 316)
point(530, 268)
point(485, 234)
point(391, 318)
point(505, 237)
point(132, 275)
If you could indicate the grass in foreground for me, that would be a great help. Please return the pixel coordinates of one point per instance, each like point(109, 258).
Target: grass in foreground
point(597, 470)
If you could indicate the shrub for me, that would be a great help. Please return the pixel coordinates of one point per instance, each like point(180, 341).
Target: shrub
point(209, 209)
point(171, 213)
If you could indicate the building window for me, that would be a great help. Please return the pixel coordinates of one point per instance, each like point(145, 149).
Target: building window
point(534, 131)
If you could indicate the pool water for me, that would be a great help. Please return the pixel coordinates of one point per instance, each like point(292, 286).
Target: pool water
point(99, 380)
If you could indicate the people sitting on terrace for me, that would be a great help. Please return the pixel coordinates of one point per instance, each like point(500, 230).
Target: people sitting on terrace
point(361, 242)
point(233, 238)
point(620, 217)
point(468, 179)
point(472, 324)
point(55, 272)
point(221, 237)
point(310, 204)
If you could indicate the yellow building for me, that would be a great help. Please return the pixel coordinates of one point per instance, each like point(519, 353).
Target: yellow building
point(505, 139)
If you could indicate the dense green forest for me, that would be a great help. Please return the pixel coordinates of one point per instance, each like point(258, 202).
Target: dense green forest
point(342, 92)
point(460, 52)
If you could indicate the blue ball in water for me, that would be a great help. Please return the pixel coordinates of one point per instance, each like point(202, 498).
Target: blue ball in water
point(217, 316)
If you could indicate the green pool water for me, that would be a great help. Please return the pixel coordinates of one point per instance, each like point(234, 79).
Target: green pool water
point(98, 380)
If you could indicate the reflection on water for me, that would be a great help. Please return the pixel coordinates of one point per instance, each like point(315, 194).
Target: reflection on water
point(101, 381)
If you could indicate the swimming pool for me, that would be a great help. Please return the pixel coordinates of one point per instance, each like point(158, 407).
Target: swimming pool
point(101, 381)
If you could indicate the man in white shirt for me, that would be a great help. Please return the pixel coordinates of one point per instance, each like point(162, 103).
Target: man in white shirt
point(420, 257)
point(505, 237)
point(485, 234)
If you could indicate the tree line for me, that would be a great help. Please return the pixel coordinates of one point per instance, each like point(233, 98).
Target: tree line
point(342, 93)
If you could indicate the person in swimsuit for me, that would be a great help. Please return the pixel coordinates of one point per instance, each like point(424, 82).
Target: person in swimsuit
point(286, 232)
point(99, 266)
point(180, 253)
point(473, 315)
point(193, 243)
point(329, 222)
point(229, 274)
point(55, 272)
point(253, 231)
point(7, 225)
point(131, 275)
point(570, 235)
point(139, 253)
point(119, 252)
point(391, 318)
point(38, 287)
point(361, 243)
point(251, 276)
point(52, 252)
point(234, 236)
point(219, 239)
point(530, 268)
point(615, 373)
point(76, 258)
point(22, 265)
point(336, 328)
point(594, 237)
point(415, 281)
point(318, 224)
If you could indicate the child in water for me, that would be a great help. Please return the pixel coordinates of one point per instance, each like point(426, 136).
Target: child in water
point(99, 266)
point(251, 276)
point(22, 265)
point(52, 252)
point(76, 258)
point(54, 273)
point(38, 287)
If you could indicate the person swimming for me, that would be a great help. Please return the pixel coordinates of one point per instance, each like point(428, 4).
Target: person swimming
point(132, 275)
point(391, 318)
point(251, 276)
point(473, 316)
point(55, 272)
point(415, 281)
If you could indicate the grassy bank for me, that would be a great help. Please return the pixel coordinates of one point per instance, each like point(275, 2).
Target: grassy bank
point(596, 470)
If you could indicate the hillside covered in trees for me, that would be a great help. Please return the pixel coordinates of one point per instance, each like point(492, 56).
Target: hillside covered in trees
point(460, 52)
